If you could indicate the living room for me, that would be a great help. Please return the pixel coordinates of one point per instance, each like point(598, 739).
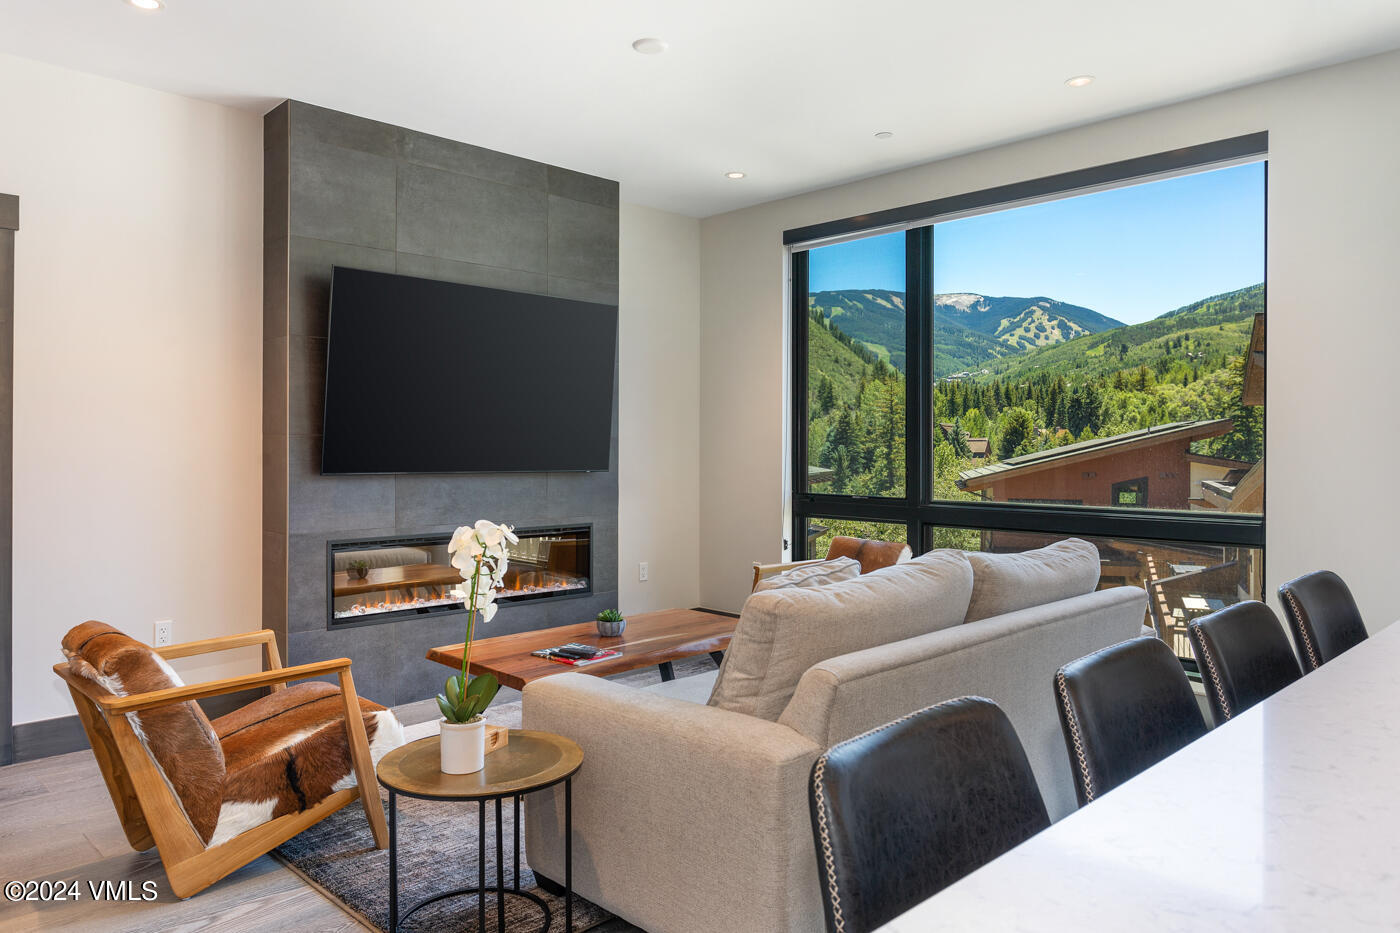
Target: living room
point(740, 371)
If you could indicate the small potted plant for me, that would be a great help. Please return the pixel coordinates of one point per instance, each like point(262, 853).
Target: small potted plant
point(358, 569)
point(480, 553)
point(611, 623)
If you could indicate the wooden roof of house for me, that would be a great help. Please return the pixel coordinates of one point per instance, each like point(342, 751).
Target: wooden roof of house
point(1183, 432)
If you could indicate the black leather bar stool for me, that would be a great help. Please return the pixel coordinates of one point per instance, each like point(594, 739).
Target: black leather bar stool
point(1123, 709)
point(1243, 655)
point(904, 810)
point(1323, 616)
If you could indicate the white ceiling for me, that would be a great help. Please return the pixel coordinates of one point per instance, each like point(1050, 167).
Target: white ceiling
point(789, 91)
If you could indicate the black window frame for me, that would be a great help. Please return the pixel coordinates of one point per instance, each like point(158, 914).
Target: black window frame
point(917, 509)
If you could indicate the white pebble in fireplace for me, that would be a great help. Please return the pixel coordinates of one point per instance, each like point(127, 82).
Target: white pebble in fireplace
point(393, 578)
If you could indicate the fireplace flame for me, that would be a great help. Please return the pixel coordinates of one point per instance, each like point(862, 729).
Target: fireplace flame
point(521, 584)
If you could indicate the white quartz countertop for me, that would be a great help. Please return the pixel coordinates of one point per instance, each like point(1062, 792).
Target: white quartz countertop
point(1287, 817)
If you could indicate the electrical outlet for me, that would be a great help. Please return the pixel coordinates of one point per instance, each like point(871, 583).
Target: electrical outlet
point(642, 572)
point(164, 634)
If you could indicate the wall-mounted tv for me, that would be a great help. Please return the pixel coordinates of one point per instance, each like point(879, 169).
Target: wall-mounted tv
point(436, 377)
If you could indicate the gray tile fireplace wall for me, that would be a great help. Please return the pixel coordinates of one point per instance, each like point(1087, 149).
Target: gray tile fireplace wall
point(343, 190)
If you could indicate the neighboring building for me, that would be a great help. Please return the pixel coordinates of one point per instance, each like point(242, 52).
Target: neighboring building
point(1241, 489)
point(1149, 468)
point(979, 447)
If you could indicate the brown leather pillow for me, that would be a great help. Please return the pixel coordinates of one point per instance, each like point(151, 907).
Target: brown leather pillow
point(872, 555)
point(178, 737)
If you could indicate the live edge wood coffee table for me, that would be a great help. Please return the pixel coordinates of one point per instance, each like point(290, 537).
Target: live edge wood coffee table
point(652, 638)
point(530, 761)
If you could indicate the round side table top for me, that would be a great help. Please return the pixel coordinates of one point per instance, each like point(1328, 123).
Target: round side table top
point(530, 760)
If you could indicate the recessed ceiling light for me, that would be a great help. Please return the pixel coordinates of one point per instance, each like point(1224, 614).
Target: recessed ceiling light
point(1079, 80)
point(147, 6)
point(883, 134)
point(733, 174)
point(650, 45)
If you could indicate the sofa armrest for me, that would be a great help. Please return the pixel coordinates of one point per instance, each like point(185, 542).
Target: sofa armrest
point(686, 817)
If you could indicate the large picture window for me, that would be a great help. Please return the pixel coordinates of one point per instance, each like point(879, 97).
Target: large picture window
point(1081, 355)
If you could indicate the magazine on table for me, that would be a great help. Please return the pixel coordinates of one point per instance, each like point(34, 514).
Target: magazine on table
point(577, 655)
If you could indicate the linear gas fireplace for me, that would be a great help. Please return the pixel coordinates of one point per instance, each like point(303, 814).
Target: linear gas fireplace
point(384, 579)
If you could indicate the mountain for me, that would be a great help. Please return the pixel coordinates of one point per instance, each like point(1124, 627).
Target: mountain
point(874, 318)
point(1021, 322)
point(970, 330)
point(1201, 335)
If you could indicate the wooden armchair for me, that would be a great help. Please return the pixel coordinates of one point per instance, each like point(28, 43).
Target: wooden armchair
point(871, 554)
point(148, 772)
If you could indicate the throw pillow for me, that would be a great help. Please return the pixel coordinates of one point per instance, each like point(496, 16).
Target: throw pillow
point(817, 573)
point(782, 632)
point(1004, 583)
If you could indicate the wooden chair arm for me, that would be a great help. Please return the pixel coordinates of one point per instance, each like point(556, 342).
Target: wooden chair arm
point(262, 637)
point(213, 688)
point(767, 570)
point(272, 659)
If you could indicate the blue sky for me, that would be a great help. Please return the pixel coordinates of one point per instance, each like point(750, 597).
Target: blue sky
point(1131, 253)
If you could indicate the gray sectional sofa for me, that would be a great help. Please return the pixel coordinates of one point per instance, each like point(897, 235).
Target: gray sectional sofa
point(690, 811)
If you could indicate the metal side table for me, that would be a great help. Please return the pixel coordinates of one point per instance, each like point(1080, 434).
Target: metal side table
point(529, 761)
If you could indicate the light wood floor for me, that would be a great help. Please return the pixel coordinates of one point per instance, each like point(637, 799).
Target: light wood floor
point(57, 823)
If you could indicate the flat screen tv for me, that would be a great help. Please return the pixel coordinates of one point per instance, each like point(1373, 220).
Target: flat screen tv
point(436, 377)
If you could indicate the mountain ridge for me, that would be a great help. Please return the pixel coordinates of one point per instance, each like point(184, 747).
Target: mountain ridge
point(970, 329)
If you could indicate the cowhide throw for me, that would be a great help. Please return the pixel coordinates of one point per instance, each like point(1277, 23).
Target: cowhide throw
point(179, 737)
point(288, 751)
point(280, 754)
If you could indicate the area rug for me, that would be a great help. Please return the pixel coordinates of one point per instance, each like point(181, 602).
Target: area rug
point(437, 852)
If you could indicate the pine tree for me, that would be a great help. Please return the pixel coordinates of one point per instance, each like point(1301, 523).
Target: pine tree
point(1016, 431)
point(841, 467)
point(841, 436)
point(826, 395)
point(957, 437)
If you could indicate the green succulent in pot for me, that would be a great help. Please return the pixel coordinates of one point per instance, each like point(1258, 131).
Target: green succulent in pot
point(611, 623)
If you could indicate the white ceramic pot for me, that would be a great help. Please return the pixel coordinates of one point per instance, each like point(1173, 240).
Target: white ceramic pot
point(463, 746)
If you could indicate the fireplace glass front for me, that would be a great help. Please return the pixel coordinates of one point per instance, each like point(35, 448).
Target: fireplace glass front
point(391, 578)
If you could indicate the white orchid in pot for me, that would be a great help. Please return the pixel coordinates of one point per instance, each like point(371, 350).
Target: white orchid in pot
point(481, 553)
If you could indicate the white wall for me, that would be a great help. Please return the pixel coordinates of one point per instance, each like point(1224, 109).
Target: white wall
point(138, 374)
point(659, 403)
point(1333, 279)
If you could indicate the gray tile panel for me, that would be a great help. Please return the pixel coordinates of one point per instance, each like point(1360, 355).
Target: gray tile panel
point(371, 196)
point(332, 504)
point(274, 389)
point(275, 288)
point(580, 187)
point(582, 240)
point(464, 159)
point(274, 485)
point(311, 125)
point(306, 389)
point(429, 500)
point(459, 217)
point(342, 195)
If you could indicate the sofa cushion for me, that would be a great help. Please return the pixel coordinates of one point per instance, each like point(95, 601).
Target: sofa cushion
point(816, 573)
point(783, 632)
point(179, 737)
point(1003, 583)
point(288, 751)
